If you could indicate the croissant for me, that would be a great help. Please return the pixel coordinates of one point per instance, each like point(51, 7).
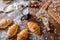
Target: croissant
point(33, 27)
point(22, 35)
point(12, 30)
point(4, 23)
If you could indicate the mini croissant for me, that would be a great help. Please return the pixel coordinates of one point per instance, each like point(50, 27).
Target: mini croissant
point(4, 23)
point(33, 27)
point(22, 35)
point(12, 30)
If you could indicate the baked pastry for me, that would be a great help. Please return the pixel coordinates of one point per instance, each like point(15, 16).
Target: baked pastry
point(12, 31)
point(33, 27)
point(22, 35)
point(4, 23)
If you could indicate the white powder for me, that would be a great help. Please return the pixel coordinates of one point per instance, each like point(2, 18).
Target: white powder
point(17, 20)
point(3, 35)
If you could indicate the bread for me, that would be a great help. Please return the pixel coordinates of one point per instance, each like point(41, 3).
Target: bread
point(34, 27)
point(4, 23)
point(22, 35)
point(12, 31)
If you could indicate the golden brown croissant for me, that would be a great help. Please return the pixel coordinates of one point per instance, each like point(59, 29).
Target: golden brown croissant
point(33, 27)
point(12, 30)
point(22, 35)
point(4, 23)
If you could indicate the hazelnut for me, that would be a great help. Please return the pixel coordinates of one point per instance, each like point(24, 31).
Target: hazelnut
point(32, 6)
point(21, 6)
point(36, 5)
point(35, 2)
point(29, 3)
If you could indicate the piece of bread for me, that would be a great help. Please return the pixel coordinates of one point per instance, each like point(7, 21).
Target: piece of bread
point(4, 23)
point(22, 35)
point(12, 31)
point(34, 27)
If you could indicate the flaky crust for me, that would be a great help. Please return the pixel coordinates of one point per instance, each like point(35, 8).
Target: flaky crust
point(12, 31)
point(33, 27)
point(4, 23)
point(22, 35)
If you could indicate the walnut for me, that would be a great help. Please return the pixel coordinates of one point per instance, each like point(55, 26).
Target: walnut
point(4, 23)
point(12, 31)
point(33, 27)
point(22, 35)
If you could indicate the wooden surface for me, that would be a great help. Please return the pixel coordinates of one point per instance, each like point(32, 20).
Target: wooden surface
point(53, 14)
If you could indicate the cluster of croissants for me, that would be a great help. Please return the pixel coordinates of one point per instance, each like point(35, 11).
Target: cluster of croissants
point(22, 35)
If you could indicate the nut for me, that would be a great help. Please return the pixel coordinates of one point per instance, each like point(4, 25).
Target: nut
point(21, 6)
point(33, 4)
point(29, 3)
